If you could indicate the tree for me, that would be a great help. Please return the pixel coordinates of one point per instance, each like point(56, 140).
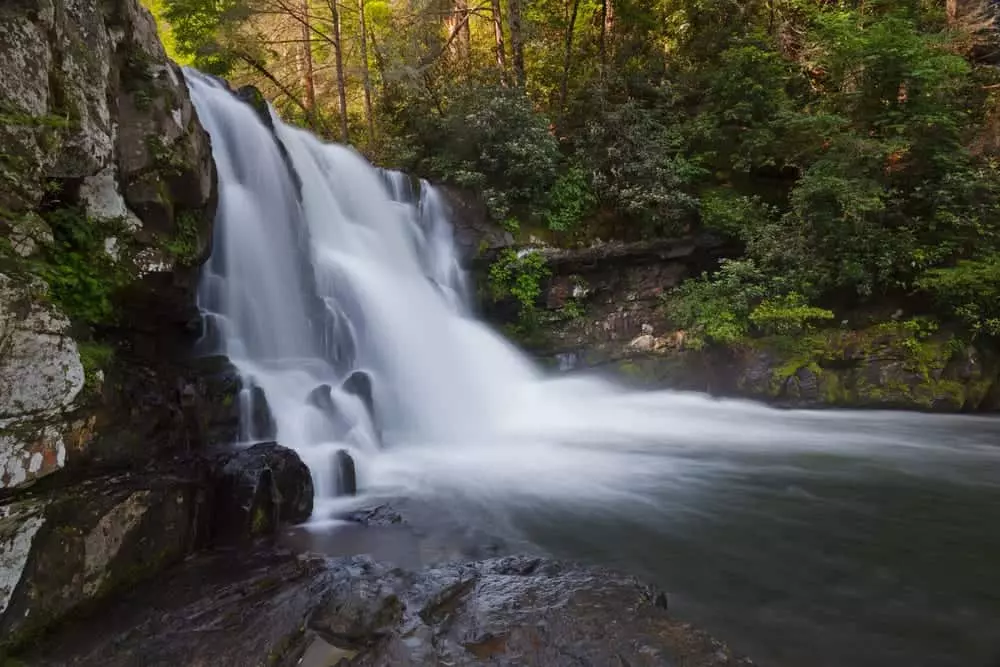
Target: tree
point(572, 8)
point(501, 53)
point(516, 40)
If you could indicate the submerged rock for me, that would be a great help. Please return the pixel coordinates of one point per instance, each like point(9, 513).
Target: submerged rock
point(258, 489)
point(274, 609)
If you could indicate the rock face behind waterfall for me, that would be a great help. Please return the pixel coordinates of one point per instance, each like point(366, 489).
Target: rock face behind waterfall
point(107, 190)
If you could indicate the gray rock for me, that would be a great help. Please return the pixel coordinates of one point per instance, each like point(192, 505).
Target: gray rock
point(273, 609)
point(69, 547)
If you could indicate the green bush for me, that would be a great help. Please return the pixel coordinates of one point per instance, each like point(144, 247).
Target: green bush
point(570, 201)
point(786, 315)
point(489, 138)
point(520, 276)
point(739, 301)
point(970, 291)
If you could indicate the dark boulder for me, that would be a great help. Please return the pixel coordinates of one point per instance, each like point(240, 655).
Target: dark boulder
point(345, 473)
point(258, 489)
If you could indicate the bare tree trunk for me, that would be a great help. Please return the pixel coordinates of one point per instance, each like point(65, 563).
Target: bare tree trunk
point(365, 74)
point(338, 55)
point(458, 24)
point(498, 33)
point(516, 40)
point(607, 28)
point(573, 9)
point(308, 83)
point(379, 63)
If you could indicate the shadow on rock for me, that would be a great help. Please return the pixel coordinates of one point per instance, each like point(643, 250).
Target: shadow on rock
point(233, 609)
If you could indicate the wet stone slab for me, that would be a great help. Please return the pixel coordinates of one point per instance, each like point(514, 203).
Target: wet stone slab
point(268, 607)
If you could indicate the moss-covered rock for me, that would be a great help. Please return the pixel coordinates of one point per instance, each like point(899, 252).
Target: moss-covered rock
point(107, 195)
point(63, 549)
point(890, 365)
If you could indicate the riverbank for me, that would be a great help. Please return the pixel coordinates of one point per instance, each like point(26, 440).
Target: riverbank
point(606, 309)
point(269, 606)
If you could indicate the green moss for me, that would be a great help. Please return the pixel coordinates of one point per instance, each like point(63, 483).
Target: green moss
point(260, 523)
point(82, 277)
point(184, 245)
point(95, 357)
point(913, 356)
point(21, 119)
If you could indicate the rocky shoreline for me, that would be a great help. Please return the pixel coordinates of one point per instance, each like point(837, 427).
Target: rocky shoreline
point(267, 606)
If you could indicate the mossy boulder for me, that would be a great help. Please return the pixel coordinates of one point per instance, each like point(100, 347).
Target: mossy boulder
point(889, 365)
point(258, 489)
point(63, 549)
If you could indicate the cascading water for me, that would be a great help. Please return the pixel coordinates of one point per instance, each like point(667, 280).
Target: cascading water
point(336, 291)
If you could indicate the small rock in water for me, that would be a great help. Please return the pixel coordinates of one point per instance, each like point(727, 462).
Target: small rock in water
point(383, 515)
point(321, 399)
point(345, 474)
point(360, 384)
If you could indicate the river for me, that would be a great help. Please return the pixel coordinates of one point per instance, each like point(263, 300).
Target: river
point(805, 539)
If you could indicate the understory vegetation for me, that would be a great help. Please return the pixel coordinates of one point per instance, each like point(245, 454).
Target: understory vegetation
point(847, 149)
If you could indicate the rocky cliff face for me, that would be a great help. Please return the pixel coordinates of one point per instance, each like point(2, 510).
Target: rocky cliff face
point(107, 196)
point(106, 203)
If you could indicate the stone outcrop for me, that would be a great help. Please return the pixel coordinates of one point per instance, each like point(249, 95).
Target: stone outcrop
point(63, 549)
point(281, 610)
point(107, 193)
point(260, 488)
point(107, 197)
point(476, 235)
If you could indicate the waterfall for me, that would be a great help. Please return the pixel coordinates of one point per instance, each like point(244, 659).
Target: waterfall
point(346, 282)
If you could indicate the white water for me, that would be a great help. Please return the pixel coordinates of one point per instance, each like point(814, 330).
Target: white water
point(361, 274)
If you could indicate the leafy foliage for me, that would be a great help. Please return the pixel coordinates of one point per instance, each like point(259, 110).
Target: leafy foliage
point(970, 291)
point(520, 276)
point(848, 150)
point(81, 275)
point(491, 139)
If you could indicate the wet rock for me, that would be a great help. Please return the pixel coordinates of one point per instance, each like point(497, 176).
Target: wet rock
point(359, 384)
point(345, 474)
point(382, 515)
point(321, 399)
point(64, 549)
point(256, 101)
point(476, 235)
point(273, 609)
point(258, 489)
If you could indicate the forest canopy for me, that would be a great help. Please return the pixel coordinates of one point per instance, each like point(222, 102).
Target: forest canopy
point(847, 149)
